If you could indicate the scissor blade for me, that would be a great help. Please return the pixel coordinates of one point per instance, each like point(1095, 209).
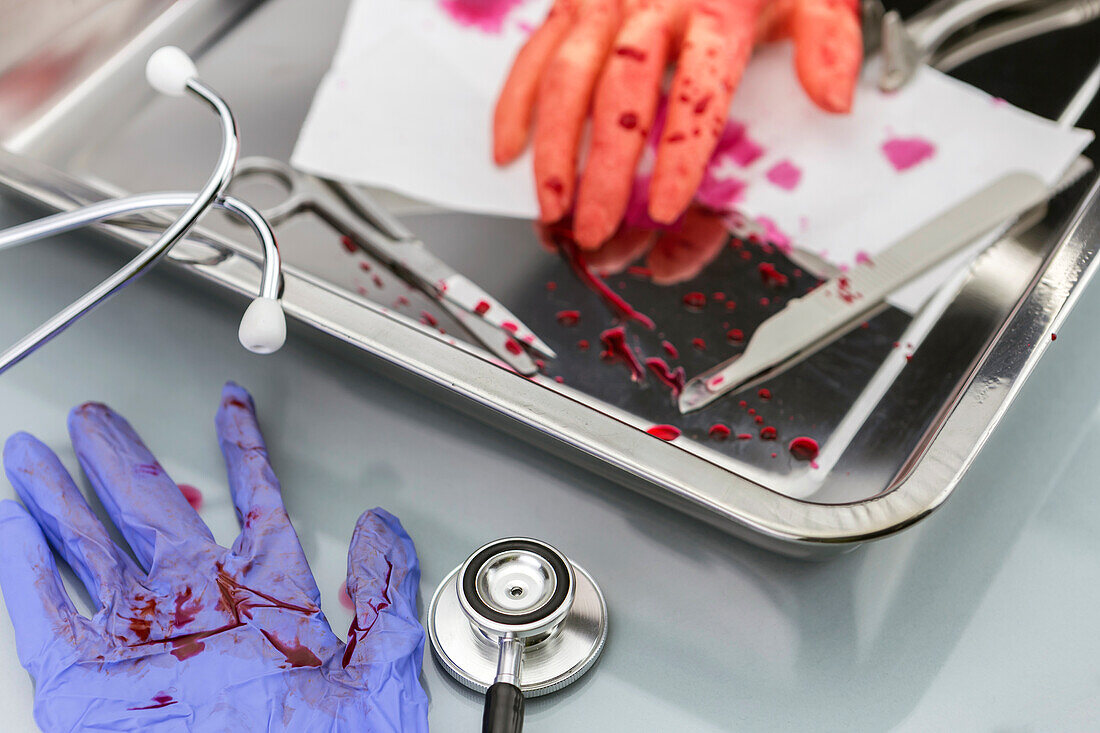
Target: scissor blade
point(809, 322)
point(458, 289)
point(501, 344)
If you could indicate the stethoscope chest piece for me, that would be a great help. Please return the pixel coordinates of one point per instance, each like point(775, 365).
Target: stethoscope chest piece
point(518, 610)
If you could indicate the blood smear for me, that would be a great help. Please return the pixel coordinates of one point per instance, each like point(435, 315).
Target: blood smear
point(345, 599)
point(485, 15)
point(906, 152)
point(568, 318)
point(664, 432)
point(193, 496)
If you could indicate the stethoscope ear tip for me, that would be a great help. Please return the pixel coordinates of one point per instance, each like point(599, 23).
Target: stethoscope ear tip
point(263, 326)
point(169, 69)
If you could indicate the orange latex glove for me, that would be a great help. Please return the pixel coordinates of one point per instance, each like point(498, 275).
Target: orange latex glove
point(608, 58)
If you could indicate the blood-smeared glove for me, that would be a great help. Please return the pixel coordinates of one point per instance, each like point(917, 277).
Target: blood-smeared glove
point(194, 636)
point(609, 57)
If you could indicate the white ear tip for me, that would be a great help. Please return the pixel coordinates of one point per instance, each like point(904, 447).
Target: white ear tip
point(168, 70)
point(263, 327)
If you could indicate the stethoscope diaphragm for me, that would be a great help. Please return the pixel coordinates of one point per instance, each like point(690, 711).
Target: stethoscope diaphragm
point(523, 589)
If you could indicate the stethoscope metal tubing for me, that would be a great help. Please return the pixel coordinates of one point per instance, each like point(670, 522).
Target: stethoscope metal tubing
point(48, 226)
point(150, 256)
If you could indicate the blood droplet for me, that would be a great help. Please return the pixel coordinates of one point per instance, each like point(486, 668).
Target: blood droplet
point(771, 276)
point(583, 345)
point(568, 318)
point(664, 432)
point(699, 344)
point(349, 246)
point(768, 433)
point(671, 350)
point(695, 300)
point(735, 335)
point(804, 449)
point(718, 431)
point(764, 393)
point(513, 347)
point(482, 307)
point(616, 349)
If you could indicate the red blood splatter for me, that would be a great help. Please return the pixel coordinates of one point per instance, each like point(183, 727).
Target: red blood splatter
point(699, 343)
point(764, 393)
point(744, 436)
point(349, 245)
point(768, 433)
point(671, 378)
point(774, 455)
point(378, 283)
point(759, 419)
point(771, 276)
point(487, 16)
point(730, 305)
point(865, 324)
point(193, 496)
point(742, 404)
point(765, 302)
point(630, 52)
point(844, 289)
point(555, 185)
point(735, 144)
point(718, 431)
point(509, 326)
point(664, 432)
point(701, 105)
point(637, 271)
point(160, 700)
point(185, 611)
point(354, 630)
point(804, 449)
point(718, 295)
point(364, 266)
point(559, 380)
point(862, 258)
point(735, 335)
point(1053, 337)
point(695, 300)
point(428, 319)
point(513, 347)
point(551, 285)
point(784, 174)
point(671, 350)
point(568, 318)
point(149, 469)
point(482, 307)
point(576, 261)
point(616, 349)
point(752, 410)
point(628, 120)
point(583, 344)
point(904, 153)
point(297, 654)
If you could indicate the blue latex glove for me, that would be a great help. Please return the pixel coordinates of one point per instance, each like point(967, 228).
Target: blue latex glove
point(194, 636)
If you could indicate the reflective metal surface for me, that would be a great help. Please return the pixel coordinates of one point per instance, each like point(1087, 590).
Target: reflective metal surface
point(549, 663)
point(896, 433)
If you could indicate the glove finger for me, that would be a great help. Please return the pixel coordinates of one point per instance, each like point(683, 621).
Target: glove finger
point(383, 576)
point(48, 627)
point(143, 502)
point(564, 95)
point(65, 518)
point(681, 253)
point(828, 51)
point(512, 116)
point(716, 47)
point(623, 113)
point(774, 22)
point(266, 532)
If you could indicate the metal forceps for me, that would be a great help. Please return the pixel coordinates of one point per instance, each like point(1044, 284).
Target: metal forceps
point(355, 215)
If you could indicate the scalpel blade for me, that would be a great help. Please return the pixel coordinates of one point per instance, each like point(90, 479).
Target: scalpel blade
point(459, 290)
point(814, 320)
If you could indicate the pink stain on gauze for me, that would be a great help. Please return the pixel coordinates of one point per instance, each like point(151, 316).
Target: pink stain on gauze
point(784, 174)
point(484, 15)
point(906, 152)
point(736, 145)
point(193, 496)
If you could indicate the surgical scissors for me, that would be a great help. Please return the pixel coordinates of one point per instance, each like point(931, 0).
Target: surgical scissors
point(355, 215)
point(263, 327)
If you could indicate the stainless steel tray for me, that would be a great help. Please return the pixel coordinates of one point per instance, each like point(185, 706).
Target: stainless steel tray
point(896, 433)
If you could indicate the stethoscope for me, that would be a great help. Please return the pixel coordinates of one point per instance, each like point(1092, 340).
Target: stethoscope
point(517, 619)
point(263, 326)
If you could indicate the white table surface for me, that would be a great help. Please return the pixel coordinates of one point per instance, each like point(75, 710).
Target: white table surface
point(983, 617)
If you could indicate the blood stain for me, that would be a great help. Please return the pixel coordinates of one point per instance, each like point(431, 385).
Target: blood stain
point(785, 175)
point(1053, 337)
point(345, 598)
point(906, 152)
point(487, 16)
point(428, 319)
point(699, 343)
point(695, 300)
point(672, 378)
point(664, 432)
point(671, 350)
point(616, 349)
point(160, 700)
point(718, 431)
point(482, 307)
point(744, 436)
point(638, 271)
point(513, 347)
point(193, 496)
point(768, 433)
point(583, 345)
point(551, 285)
point(764, 393)
point(349, 246)
point(771, 276)
point(569, 317)
point(803, 448)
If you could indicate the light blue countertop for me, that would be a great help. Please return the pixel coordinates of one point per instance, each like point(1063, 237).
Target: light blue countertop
point(983, 617)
